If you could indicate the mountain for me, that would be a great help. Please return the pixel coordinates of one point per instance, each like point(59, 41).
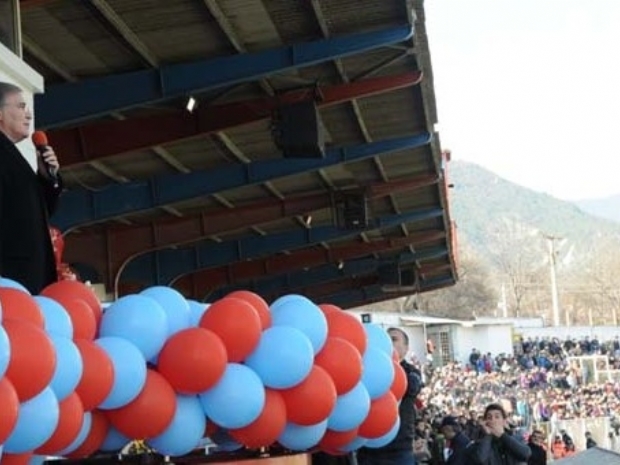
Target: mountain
point(607, 207)
point(493, 214)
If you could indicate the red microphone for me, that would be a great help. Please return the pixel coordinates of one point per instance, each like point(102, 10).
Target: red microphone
point(39, 139)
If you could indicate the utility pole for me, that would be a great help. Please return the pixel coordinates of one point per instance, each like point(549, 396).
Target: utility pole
point(554, 285)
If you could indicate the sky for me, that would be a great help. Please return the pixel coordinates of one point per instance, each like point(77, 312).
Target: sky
point(530, 89)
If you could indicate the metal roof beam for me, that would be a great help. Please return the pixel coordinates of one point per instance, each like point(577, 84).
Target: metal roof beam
point(108, 249)
point(63, 104)
point(232, 274)
point(164, 266)
point(81, 206)
point(102, 139)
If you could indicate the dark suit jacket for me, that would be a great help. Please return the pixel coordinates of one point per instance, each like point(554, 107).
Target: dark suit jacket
point(26, 201)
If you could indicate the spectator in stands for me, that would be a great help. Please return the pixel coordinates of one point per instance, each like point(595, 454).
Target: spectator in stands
point(455, 453)
point(536, 444)
point(589, 441)
point(498, 446)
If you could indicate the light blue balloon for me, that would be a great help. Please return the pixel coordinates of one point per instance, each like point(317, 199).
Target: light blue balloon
point(196, 310)
point(283, 357)
point(114, 441)
point(237, 399)
point(69, 367)
point(129, 371)
point(5, 351)
point(139, 319)
point(378, 338)
point(351, 409)
point(386, 438)
point(185, 431)
point(175, 306)
point(6, 282)
point(298, 437)
point(56, 318)
point(35, 459)
point(377, 372)
point(36, 422)
point(300, 312)
point(354, 445)
point(87, 424)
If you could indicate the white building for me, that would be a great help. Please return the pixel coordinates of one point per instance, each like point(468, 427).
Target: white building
point(453, 340)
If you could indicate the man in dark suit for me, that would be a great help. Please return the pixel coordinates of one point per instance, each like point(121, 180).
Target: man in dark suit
point(455, 454)
point(26, 198)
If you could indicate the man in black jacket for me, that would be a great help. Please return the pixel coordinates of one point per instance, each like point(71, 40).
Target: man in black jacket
point(457, 440)
point(400, 450)
point(498, 446)
point(537, 446)
point(26, 198)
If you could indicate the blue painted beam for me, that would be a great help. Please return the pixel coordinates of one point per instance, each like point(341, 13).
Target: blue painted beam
point(163, 266)
point(79, 207)
point(72, 102)
point(286, 282)
point(375, 293)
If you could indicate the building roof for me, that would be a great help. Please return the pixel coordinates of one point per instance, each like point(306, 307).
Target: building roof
point(204, 200)
point(596, 455)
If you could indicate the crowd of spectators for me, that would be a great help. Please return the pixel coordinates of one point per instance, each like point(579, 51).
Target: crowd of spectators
point(544, 384)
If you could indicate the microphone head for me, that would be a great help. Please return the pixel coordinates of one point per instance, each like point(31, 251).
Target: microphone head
point(39, 139)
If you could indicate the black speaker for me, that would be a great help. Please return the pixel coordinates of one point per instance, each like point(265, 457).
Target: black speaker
point(355, 211)
point(389, 274)
point(297, 131)
point(407, 277)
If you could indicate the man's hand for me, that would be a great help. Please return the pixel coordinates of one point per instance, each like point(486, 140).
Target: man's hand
point(48, 163)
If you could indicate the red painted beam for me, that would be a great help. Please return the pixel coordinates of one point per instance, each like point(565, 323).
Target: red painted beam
point(201, 282)
point(103, 139)
point(109, 250)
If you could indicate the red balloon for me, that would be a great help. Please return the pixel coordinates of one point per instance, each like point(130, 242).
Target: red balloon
point(329, 308)
point(311, 401)
point(346, 326)
point(18, 305)
point(98, 431)
point(33, 358)
point(237, 324)
point(82, 317)
point(149, 414)
point(258, 303)
point(267, 427)
point(97, 376)
point(193, 360)
point(16, 459)
point(342, 361)
point(68, 428)
point(332, 440)
point(64, 291)
point(380, 420)
point(9, 406)
point(399, 384)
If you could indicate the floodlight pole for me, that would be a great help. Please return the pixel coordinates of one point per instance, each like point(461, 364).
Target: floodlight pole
point(554, 285)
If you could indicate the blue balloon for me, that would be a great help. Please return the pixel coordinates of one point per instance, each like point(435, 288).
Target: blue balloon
point(298, 437)
point(354, 445)
point(87, 424)
point(139, 319)
point(237, 399)
point(196, 310)
point(377, 372)
point(6, 282)
point(56, 318)
point(5, 351)
point(351, 409)
point(283, 357)
point(114, 441)
point(223, 441)
point(300, 312)
point(378, 338)
point(69, 367)
point(175, 306)
point(36, 422)
point(35, 459)
point(129, 371)
point(185, 431)
point(386, 438)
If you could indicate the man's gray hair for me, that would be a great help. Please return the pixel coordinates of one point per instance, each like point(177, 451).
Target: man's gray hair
point(6, 88)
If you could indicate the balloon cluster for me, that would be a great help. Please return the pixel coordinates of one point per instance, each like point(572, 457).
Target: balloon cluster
point(154, 366)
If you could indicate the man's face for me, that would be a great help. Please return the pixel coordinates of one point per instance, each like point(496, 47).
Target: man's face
point(15, 117)
point(399, 343)
point(495, 420)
